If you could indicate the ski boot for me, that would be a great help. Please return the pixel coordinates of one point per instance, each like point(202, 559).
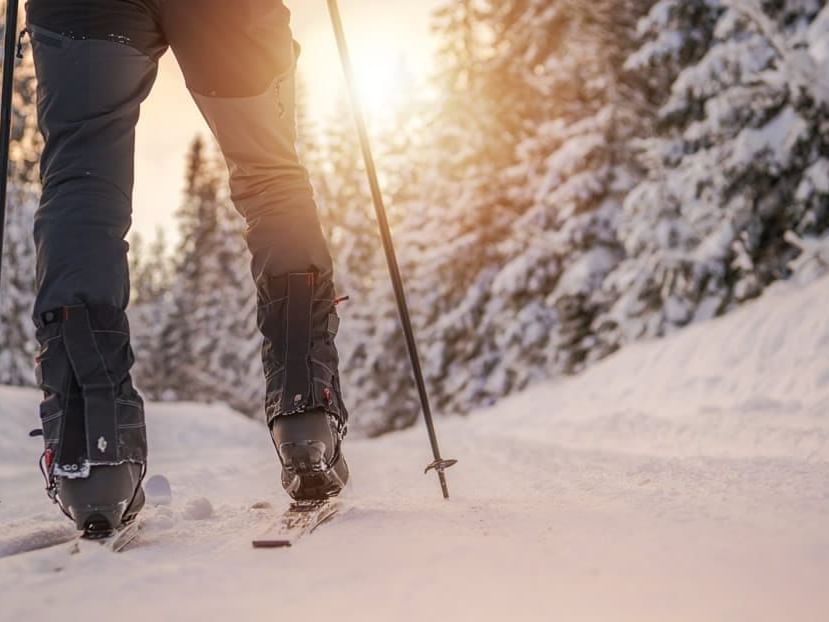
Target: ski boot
point(92, 417)
point(303, 402)
point(309, 447)
point(110, 497)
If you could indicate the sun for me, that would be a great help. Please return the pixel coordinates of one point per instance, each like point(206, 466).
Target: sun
point(391, 63)
point(382, 81)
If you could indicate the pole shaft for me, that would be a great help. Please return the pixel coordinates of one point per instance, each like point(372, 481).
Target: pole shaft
point(6, 111)
point(385, 234)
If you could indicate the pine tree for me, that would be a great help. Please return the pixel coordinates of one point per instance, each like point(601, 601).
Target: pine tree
point(453, 228)
point(173, 360)
point(534, 211)
point(150, 273)
point(198, 337)
point(345, 211)
point(151, 279)
point(576, 168)
point(738, 161)
point(17, 288)
point(374, 362)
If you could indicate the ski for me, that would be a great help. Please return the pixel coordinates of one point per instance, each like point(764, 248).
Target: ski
point(115, 541)
point(36, 541)
point(300, 519)
point(158, 493)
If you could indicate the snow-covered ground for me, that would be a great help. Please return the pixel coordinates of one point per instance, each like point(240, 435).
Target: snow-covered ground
point(685, 479)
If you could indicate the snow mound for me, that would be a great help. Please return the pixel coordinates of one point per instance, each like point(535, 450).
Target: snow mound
point(753, 383)
point(682, 479)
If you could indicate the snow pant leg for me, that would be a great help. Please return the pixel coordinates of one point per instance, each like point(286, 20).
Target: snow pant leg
point(269, 186)
point(89, 93)
point(239, 64)
point(290, 258)
point(238, 61)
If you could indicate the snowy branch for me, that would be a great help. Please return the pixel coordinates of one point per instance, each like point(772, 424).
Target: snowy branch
point(802, 69)
point(813, 261)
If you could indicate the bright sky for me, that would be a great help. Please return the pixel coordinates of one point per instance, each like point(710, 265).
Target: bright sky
point(380, 33)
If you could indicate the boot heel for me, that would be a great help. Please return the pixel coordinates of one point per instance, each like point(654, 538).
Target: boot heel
point(308, 445)
point(109, 497)
point(306, 474)
point(303, 457)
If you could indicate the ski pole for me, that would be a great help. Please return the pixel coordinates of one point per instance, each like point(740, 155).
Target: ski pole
point(6, 111)
point(439, 465)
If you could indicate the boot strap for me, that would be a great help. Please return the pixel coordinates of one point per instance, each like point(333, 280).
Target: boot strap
point(298, 379)
point(98, 387)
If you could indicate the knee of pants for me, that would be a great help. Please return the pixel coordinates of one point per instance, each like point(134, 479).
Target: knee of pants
point(271, 190)
point(284, 234)
point(81, 253)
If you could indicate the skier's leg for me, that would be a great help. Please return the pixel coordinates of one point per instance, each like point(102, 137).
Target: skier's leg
point(238, 60)
point(95, 63)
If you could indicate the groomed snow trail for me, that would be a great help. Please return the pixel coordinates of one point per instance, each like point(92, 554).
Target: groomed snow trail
point(684, 479)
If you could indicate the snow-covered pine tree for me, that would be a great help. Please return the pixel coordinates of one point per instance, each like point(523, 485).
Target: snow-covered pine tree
point(374, 361)
point(175, 361)
point(379, 368)
point(151, 279)
point(451, 228)
point(150, 270)
point(230, 342)
point(195, 315)
point(344, 202)
point(17, 344)
point(575, 168)
point(541, 224)
point(739, 160)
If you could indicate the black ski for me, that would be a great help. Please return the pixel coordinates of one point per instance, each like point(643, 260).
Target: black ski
point(300, 519)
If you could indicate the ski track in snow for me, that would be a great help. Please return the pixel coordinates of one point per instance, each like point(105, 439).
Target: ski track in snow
point(683, 479)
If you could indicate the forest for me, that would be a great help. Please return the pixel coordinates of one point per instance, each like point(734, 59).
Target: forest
point(580, 176)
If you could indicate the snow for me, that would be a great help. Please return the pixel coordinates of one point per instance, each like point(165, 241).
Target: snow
point(777, 138)
point(681, 479)
point(819, 37)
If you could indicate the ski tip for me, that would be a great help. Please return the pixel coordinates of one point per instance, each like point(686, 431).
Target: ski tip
point(271, 544)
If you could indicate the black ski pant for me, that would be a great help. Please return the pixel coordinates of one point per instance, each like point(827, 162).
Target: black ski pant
point(96, 61)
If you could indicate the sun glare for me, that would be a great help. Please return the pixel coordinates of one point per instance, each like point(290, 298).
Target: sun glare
point(381, 81)
point(388, 65)
point(393, 53)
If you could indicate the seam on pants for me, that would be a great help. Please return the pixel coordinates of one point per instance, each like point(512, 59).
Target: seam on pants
point(52, 38)
point(100, 355)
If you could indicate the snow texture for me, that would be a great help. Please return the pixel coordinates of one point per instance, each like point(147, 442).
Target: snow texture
point(682, 479)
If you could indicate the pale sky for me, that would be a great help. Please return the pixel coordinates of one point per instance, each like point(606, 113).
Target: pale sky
point(380, 33)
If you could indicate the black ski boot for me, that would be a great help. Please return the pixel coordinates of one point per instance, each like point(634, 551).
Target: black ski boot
point(110, 497)
point(92, 417)
point(310, 449)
